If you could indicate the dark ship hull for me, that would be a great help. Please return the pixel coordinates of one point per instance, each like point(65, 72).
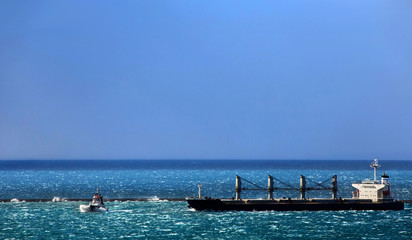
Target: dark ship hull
point(202, 204)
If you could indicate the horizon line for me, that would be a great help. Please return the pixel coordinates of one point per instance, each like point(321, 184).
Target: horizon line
point(195, 159)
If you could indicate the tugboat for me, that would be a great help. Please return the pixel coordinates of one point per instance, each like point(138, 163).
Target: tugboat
point(370, 195)
point(96, 205)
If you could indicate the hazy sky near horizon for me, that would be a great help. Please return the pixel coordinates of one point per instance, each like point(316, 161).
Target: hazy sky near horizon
point(206, 79)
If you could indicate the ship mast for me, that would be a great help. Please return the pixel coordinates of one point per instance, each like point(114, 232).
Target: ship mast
point(374, 165)
point(199, 186)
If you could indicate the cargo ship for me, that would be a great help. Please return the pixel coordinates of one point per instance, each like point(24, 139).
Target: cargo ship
point(369, 195)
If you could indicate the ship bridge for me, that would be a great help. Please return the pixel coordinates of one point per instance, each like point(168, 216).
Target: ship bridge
point(373, 189)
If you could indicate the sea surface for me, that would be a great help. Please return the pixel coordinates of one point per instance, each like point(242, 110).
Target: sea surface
point(38, 179)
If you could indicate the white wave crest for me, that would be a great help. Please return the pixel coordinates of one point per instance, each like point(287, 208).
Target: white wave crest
point(58, 199)
point(156, 199)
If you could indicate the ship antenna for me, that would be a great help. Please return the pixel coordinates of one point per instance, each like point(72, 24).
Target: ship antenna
point(375, 165)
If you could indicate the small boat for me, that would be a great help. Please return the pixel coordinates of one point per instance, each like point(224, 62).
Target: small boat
point(96, 205)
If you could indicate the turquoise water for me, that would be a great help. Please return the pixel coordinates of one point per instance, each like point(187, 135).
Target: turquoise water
point(173, 220)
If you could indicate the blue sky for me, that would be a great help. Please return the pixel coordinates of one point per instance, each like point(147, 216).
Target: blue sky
point(206, 79)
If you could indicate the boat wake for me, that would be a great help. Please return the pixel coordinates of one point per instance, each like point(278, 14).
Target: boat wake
point(86, 208)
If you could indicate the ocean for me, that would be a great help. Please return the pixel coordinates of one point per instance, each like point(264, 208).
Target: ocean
point(177, 179)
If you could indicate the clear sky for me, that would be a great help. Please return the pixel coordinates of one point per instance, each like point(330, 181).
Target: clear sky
point(206, 79)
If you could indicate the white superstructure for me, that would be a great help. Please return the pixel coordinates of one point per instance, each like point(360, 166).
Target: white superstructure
point(373, 189)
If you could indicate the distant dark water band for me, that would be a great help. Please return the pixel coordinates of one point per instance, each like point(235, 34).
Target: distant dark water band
point(7, 165)
point(119, 200)
point(106, 200)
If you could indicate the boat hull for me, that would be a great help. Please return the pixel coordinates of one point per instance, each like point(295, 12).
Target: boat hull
point(201, 204)
point(91, 208)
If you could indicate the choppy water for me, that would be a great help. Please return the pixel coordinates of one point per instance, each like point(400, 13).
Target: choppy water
point(173, 220)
